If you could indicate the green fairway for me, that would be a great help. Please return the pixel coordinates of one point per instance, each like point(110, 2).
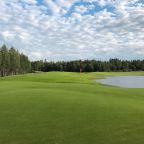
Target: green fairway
point(69, 108)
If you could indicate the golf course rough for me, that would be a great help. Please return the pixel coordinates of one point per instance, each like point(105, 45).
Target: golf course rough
point(69, 108)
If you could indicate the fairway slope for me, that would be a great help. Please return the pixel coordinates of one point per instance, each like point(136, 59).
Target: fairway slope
point(69, 108)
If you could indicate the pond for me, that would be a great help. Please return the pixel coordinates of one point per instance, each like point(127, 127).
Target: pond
point(124, 81)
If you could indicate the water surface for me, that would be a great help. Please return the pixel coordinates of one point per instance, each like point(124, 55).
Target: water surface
point(124, 81)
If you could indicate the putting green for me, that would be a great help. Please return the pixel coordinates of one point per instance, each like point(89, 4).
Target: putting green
point(69, 108)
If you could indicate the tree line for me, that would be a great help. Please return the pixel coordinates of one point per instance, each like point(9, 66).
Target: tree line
point(113, 65)
point(12, 62)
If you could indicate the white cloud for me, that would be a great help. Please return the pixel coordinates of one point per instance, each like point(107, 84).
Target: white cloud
point(53, 6)
point(40, 34)
point(59, 6)
point(29, 1)
point(102, 2)
point(81, 9)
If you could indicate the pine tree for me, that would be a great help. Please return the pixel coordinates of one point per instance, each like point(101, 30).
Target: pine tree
point(25, 65)
point(5, 61)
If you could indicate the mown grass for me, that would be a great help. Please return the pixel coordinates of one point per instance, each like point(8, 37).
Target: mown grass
point(69, 108)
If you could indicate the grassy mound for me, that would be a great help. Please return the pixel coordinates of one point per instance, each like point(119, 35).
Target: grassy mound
point(69, 108)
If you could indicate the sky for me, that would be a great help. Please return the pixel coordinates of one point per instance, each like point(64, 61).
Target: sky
point(74, 29)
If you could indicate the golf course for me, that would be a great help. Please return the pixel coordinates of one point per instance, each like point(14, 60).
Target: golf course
point(70, 108)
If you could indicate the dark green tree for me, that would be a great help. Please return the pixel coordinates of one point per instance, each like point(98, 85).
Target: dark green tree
point(5, 61)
